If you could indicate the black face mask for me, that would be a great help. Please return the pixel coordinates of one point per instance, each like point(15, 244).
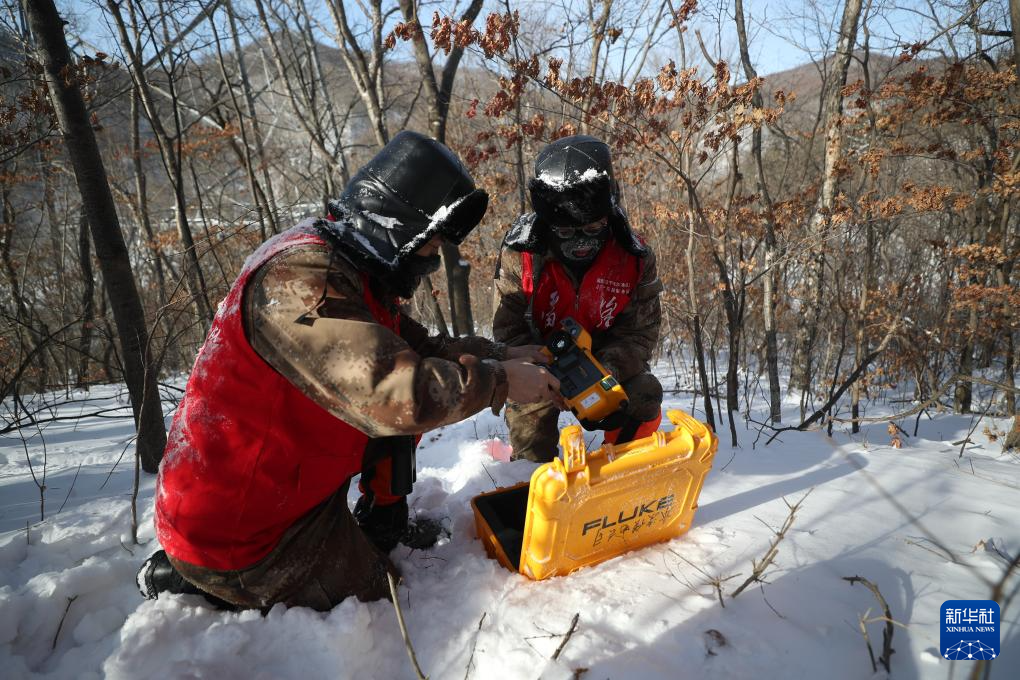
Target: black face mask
point(412, 270)
point(420, 265)
point(580, 249)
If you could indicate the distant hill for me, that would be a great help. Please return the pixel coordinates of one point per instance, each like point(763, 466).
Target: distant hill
point(805, 81)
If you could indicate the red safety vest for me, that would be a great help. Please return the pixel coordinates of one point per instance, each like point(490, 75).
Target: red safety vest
point(604, 293)
point(248, 453)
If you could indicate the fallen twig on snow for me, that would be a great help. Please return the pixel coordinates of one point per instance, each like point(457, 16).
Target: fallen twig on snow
point(566, 638)
point(770, 554)
point(71, 489)
point(932, 400)
point(761, 587)
point(887, 632)
point(715, 581)
point(403, 628)
point(974, 424)
point(474, 643)
point(60, 626)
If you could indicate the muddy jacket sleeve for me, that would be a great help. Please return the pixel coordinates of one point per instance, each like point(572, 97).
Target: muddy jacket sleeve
point(626, 348)
point(508, 322)
point(306, 315)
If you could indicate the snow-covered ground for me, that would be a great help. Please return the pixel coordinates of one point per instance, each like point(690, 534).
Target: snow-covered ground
point(922, 523)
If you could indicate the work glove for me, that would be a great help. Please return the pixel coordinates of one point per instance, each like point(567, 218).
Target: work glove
point(388, 525)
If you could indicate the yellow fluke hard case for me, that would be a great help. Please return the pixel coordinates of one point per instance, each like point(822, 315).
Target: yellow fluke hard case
point(589, 506)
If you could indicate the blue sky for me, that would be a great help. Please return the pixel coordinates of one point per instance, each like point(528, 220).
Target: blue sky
point(783, 34)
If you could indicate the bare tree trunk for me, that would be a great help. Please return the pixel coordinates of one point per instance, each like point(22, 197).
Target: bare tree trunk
point(97, 201)
point(713, 362)
point(522, 184)
point(37, 338)
point(699, 347)
point(244, 149)
point(46, 169)
point(861, 345)
point(1013, 438)
point(88, 302)
point(224, 277)
point(1009, 367)
point(176, 158)
point(733, 303)
point(769, 281)
point(437, 120)
point(458, 273)
point(6, 238)
point(814, 278)
point(1012, 442)
point(307, 119)
point(519, 172)
point(598, 36)
point(171, 164)
point(433, 306)
point(1014, 22)
point(142, 199)
point(249, 101)
point(365, 70)
point(458, 270)
point(335, 125)
point(963, 394)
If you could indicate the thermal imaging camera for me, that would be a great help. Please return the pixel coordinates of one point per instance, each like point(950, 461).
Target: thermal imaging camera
point(590, 391)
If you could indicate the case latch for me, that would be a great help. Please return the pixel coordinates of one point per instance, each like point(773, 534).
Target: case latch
point(575, 454)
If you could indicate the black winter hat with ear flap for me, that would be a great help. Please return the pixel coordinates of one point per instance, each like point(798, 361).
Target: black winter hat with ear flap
point(412, 190)
point(573, 183)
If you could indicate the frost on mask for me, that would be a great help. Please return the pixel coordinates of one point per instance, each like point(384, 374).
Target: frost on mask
point(579, 249)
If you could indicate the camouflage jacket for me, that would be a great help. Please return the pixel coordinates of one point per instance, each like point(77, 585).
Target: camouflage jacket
point(625, 349)
point(305, 313)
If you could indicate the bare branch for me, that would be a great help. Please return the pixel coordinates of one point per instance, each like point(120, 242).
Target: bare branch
point(566, 638)
point(403, 628)
point(887, 632)
point(770, 555)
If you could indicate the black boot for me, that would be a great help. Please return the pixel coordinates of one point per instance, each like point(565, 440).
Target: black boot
point(388, 525)
point(158, 575)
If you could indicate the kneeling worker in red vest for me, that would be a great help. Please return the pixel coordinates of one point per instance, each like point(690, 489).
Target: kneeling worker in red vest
point(311, 375)
point(576, 256)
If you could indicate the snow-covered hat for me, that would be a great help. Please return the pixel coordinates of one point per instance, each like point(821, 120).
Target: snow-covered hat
point(573, 183)
point(573, 186)
point(412, 190)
